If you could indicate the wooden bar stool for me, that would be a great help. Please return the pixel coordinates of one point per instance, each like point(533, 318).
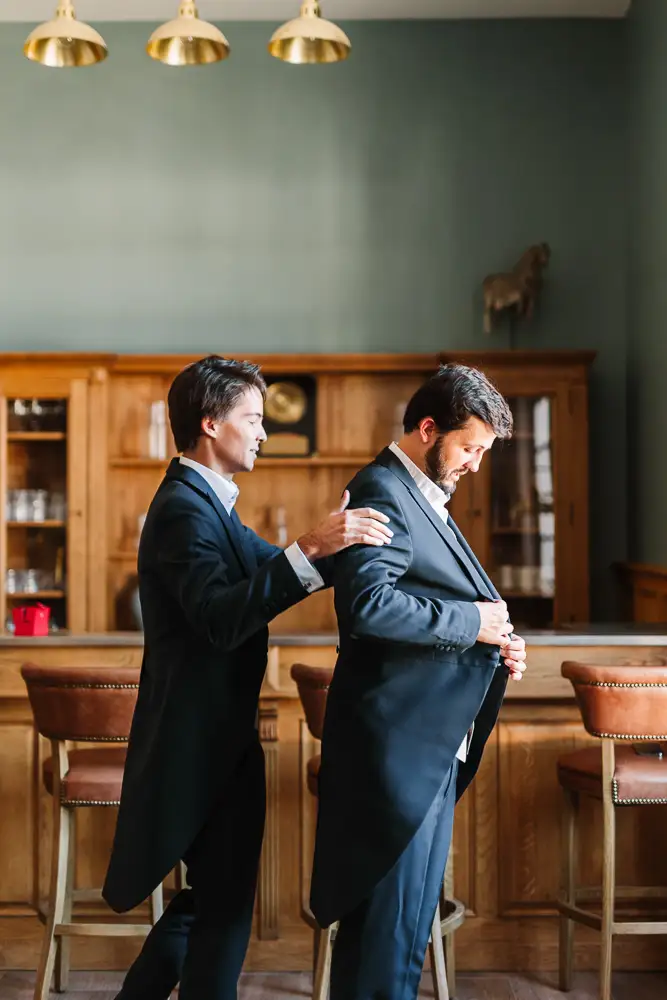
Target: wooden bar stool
point(625, 702)
point(85, 705)
point(313, 685)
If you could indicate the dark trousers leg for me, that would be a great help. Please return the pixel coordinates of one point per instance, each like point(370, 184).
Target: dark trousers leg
point(380, 946)
point(202, 937)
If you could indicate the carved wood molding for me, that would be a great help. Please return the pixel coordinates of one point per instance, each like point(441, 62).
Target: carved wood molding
point(268, 887)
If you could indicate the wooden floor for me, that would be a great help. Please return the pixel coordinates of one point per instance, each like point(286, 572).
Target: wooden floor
point(296, 986)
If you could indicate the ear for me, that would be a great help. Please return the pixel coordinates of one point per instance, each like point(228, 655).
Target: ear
point(426, 429)
point(209, 427)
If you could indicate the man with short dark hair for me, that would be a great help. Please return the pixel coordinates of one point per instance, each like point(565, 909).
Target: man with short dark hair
point(425, 650)
point(194, 780)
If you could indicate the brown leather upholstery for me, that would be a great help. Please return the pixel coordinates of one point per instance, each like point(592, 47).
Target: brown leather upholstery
point(637, 780)
point(313, 775)
point(624, 701)
point(313, 686)
point(82, 703)
point(94, 777)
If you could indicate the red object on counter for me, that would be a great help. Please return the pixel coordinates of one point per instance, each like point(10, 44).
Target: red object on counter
point(31, 620)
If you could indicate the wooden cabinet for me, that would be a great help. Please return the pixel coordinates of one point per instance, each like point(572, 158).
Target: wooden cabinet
point(48, 474)
point(525, 512)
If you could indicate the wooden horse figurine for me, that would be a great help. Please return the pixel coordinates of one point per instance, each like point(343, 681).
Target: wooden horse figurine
point(518, 288)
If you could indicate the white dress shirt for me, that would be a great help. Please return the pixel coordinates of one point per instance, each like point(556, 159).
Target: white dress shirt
point(438, 502)
point(227, 493)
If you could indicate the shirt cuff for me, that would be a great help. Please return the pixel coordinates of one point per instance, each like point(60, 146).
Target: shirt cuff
point(308, 576)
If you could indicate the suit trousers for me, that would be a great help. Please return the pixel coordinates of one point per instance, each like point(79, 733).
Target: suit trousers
point(202, 937)
point(380, 945)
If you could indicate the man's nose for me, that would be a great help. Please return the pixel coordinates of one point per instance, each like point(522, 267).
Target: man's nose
point(262, 434)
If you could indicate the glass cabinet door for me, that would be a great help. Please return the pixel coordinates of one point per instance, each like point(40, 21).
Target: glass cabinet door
point(522, 515)
point(43, 487)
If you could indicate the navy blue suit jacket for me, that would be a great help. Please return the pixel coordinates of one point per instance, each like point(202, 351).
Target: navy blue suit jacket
point(409, 681)
point(209, 586)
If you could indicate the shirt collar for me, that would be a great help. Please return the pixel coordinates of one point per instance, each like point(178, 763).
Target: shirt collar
point(426, 486)
point(225, 489)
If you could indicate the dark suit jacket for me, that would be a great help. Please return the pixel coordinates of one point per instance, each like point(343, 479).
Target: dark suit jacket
point(208, 587)
point(409, 681)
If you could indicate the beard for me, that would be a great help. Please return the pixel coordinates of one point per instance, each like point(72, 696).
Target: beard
point(437, 470)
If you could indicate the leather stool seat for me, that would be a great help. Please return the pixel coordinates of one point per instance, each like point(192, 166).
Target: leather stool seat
point(94, 777)
point(638, 780)
point(313, 774)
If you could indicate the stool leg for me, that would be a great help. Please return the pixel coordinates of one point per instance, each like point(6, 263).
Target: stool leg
point(181, 876)
point(608, 869)
point(157, 904)
point(63, 943)
point(57, 891)
point(322, 976)
point(317, 939)
point(448, 892)
point(568, 889)
point(450, 963)
point(437, 953)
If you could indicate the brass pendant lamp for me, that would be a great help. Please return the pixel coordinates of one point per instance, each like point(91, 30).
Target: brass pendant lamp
point(310, 39)
point(187, 40)
point(65, 41)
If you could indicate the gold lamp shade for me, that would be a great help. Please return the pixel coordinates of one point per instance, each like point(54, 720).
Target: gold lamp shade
point(187, 40)
point(65, 41)
point(309, 38)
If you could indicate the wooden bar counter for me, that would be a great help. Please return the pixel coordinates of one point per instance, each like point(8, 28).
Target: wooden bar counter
point(507, 832)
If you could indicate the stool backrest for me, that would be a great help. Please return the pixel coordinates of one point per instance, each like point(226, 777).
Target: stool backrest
point(313, 686)
point(87, 704)
point(621, 701)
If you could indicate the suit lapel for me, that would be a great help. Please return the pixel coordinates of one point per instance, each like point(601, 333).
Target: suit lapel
point(240, 531)
point(451, 537)
point(190, 476)
point(474, 561)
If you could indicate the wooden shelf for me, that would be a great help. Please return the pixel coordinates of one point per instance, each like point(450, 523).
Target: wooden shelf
point(38, 595)
point(120, 556)
point(529, 594)
point(139, 463)
point(515, 531)
point(352, 461)
point(272, 462)
point(36, 436)
point(35, 524)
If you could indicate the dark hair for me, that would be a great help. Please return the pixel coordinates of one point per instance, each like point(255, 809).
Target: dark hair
point(453, 395)
point(208, 388)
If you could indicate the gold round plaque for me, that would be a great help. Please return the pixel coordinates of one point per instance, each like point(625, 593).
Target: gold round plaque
point(286, 402)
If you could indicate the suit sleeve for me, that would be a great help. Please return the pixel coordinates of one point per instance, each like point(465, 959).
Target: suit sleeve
point(191, 565)
point(265, 550)
point(369, 601)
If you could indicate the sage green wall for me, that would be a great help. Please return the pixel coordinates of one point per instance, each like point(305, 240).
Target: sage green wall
point(648, 269)
point(262, 207)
